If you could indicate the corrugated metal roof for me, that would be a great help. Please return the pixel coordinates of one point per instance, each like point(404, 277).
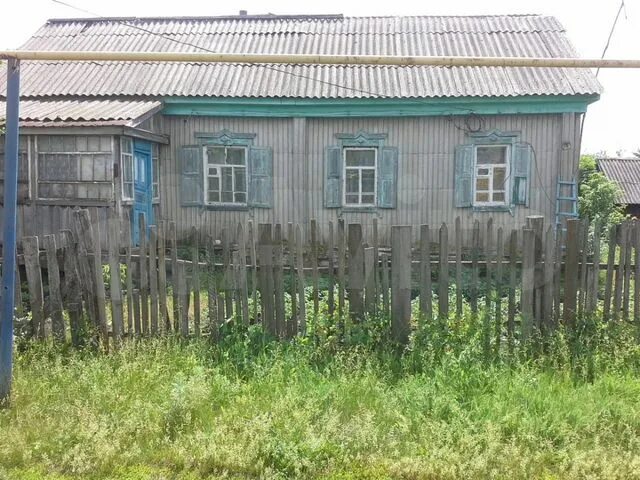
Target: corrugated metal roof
point(626, 173)
point(501, 36)
point(82, 112)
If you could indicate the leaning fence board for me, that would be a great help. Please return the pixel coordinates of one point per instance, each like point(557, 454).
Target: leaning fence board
point(369, 280)
point(571, 273)
point(195, 278)
point(182, 296)
point(458, 232)
point(212, 294)
point(72, 286)
point(355, 286)
point(254, 269)
point(55, 296)
point(314, 265)
point(384, 272)
point(636, 280)
point(265, 277)
point(443, 282)
point(227, 273)
point(376, 256)
point(627, 269)
point(548, 270)
point(34, 281)
point(488, 248)
point(115, 285)
point(528, 285)
point(293, 282)
point(129, 273)
point(400, 282)
point(278, 281)
point(302, 319)
point(557, 277)
point(242, 289)
point(511, 307)
point(153, 278)
point(174, 276)
point(341, 267)
point(584, 246)
point(162, 278)
point(475, 249)
point(499, 289)
point(594, 286)
point(330, 259)
point(608, 285)
point(426, 306)
point(137, 321)
point(144, 275)
point(619, 277)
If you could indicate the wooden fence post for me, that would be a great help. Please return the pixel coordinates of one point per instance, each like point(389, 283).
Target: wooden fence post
point(426, 289)
point(227, 273)
point(548, 284)
point(182, 296)
point(475, 250)
point(314, 265)
point(536, 223)
point(265, 277)
point(611, 259)
point(55, 296)
point(369, 280)
point(173, 241)
point(195, 278)
point(459, 287)
point(162, 277)
point(72, 295)
point(129, 277)
point(331, 265)
point(278, 282)
point(443, 282)
point(115, 284)
point(302, 315)
point(153, 277)
point(511, 307)
point(499, 290)
point(292, 324)
point(254, 270)
point(341, 267)
point(243, 288)
point(594, 287)
point(31, 251)
point(571, 273)
point(385, 284)
point(144, 274)
point(528, 282)
point(400, 282)
point(356, 272)
point(212, 292)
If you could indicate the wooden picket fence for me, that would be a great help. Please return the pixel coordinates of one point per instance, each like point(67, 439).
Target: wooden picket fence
point(525, 281)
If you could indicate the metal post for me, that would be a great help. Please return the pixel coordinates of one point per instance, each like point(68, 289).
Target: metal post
point(9, 229)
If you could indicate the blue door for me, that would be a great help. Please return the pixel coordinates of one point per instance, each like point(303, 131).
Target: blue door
point(142, 187)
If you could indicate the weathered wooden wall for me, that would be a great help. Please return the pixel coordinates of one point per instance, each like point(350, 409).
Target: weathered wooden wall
point(425, 175)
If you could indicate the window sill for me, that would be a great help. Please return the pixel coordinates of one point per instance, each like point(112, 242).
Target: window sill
point(359, 210)
point(492, 208)
point(233, 208)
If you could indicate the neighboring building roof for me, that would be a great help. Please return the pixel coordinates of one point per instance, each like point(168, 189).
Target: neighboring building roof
point(37, 113)
point(626, 173)
point(501, 36)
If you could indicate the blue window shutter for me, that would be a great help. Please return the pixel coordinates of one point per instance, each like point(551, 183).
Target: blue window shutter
point(260, 177)
point(191, 182)
point(520, 172)
point(464, 176)
point(387, 177)
point(333, 178)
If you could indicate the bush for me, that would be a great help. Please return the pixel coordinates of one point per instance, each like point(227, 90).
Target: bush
point(598, 195)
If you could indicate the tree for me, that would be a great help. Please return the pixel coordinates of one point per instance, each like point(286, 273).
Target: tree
point(598, 198)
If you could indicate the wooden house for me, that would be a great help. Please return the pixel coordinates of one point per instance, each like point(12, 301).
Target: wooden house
point(213, 144)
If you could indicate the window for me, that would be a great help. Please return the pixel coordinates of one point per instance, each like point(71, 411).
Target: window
point(225, 175)
point(360, 176)
point(491, 173)
point(24, 153)
point(155, 171)
point(126, 162)
point(75, 167)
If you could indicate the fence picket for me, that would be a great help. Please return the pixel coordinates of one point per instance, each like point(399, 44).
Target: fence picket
point(115, 283)
point(195, 278)
point(355, 286)
point(153, 278)
point(400, 282)
point(55, 296)
point(443, 281)
point(278, 282)
point(426, 304)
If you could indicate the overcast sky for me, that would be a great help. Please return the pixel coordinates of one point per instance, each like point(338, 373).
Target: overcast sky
point(611, 123)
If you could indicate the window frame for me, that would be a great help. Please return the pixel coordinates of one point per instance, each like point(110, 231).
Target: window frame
point(492, 166)
point(125, 198)
point(360, 169)
point(207, 165)
point(155, 173)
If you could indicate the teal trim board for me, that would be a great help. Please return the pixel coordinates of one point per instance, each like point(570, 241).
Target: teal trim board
point(374, 107)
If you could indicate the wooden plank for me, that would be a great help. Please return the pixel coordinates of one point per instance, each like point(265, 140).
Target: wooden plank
point(528, 283)
point(636, 280)
point(212, 292)
point(557, 278)
point(627, 269)
point(254, 270)
point(443, 281)
point(243, 288)
point(584, 250)
point(488, 245)
point(355, 285)
point(384, 273)
point(72, 287)
point(548, 284)
point(302, 319)
point(511, 307)
point(400, 282)
point(143, 263)
point(475, 274)
point(278, 281)
point(129, 272)
point(165, 321)
point(459, 287)
point(617, 292)
point(292, 324)
point(331, 273)
point(173, 241)
point(227, 273)
point(18, 291)
point(265, 277)
point(55, 296)
point(314, 265)
point(341, 267)
point(153, 278)
point(571, 274)
point(195, 278)
point(608, 285)
point(376, 256)
point(137, 320)
point(426, 289)
point(115, 282)
point(499, 284)
point(536, 223)
point(30, 250)
point(182, 296)
point(369, 281)
point(594, 287)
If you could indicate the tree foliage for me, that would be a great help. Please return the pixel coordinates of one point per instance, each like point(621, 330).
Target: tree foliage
point(598, 195)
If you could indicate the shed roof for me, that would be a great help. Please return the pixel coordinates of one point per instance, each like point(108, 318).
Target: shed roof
point(39, 113)
point(626, 173)
point(501, 36)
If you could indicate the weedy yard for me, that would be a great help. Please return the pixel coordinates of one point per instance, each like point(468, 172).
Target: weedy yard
point(319, 407)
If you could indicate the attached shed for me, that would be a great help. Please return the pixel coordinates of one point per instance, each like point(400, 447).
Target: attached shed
point(224, 143)
point(626, 173)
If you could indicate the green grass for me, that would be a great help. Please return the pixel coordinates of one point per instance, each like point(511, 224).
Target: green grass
point(164, 409)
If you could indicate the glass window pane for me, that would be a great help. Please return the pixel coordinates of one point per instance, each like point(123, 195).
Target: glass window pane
point(215, 155)
point(240, 197)
point(482, 184)
point(368, 181)
point(235, 156)
point(367, 199)
point(352, 199)
point(227, 179)
point(498, 178)
point(214, 183)
point(489, 155)
point(482, 197)
point(483, 171)
point(352, 181)
point(498, 196)
point(241, 181)
point(360, 158)
point(214, 196)
point(227, 197)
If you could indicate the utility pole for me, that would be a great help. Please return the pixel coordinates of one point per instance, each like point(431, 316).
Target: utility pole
point(7, 295)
